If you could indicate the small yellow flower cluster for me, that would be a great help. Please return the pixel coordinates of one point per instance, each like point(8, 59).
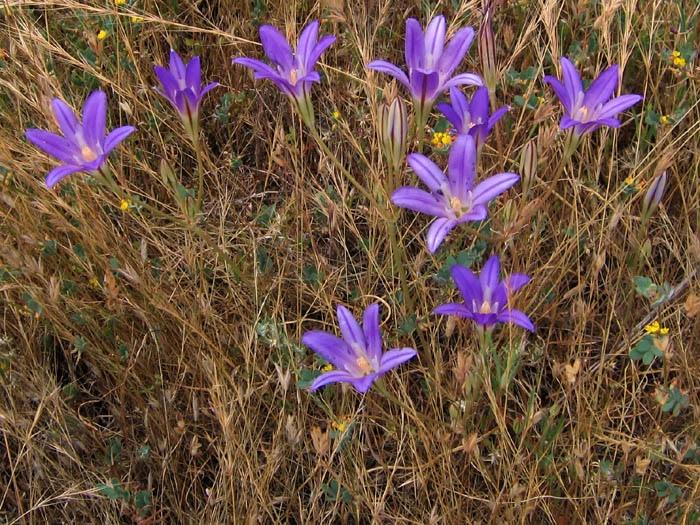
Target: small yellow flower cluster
point(665, 120)
point(341, 425)
point(102, 34)
point(655, 328)
point(677, 59)
point(125, 205)
point(94, 282)
point(120, 2)
point(327, 368)
point(442, 139)
point(633, 183)
point(336, 114)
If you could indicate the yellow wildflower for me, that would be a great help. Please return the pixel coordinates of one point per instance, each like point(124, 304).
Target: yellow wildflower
point(8, 179)
point(94, 282)
point(629, 181)
point(654, 328)
point(102, 34)
point(137, 19)
point(663, 331)
point(124, 205)
point(336, 114)
point(120, 2)
point(327, 368)
point(677, 59)
point(665, 120)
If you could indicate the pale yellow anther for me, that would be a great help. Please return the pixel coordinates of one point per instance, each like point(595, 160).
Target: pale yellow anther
point(485, 308)
point(293, 76)
point(364, 365)
point(456, 205)
point(88, 154)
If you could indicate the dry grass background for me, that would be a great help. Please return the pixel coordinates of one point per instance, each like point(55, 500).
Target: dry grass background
point(145, 336)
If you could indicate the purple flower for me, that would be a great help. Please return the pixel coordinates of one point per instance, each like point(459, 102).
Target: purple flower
point(451, 199)
point(485, 298)
point(358, 356)
point(84, 147)
point(292, 73)
point(430, 64)
point(182, 85)
point(590, 109)
point(471, 117)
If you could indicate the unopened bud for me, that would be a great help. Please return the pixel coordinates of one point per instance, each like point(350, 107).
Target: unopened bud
point(393, 131)
point(653, 196)
point(487, 50)
point(166, 172)
point(528, 164)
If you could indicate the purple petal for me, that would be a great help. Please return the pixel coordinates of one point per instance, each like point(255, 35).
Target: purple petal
point(53, 144)
point(333, 349)
point(438, 231)
point(370, 325)
point(276, 47)
point(314, 76)
point(461, 166)
point(478, 213)
point(177, 66)
point(395, 357)
point(390, 69)
point(456, 49)
point(60, 172)
point(66, 119)
point(193, 76)
point(496, 116)
point(318, 51)
point(499, 295)
point(94, 119)
point(306, 43)
point(602, 88)
point(116, 136)
point(208, 88)
point(459, 102)
point(362, 384)
point(484, 319)
point(609, 121)
point(516, 281)
point(468, 285)
point(451, 115)
point(490, 273)
point(179, 102)
point(617, 105)
point(424, 86)
point(431, 175)
point(434, 41)
point(415, 44)
point(334, 376)
point(170, 85)
point(352, 333)
point(517, 317)
point(418, 200)
point(457, 309)
point(464, 79)
point(493, 187)
point(479, 106)
point(567, 122)
point(257, 65)
point(572, 80)
point(560, 91)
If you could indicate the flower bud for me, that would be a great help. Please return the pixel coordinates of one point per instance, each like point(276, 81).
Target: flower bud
point(167, 174)
point(393, 131)
point(528, 164)
point(487, 50)
point(653, 196)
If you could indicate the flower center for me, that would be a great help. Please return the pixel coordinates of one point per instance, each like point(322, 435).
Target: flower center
point(485, 308)
point(459, 207)
point(293, 76)
point(88, 154)
point(364, 365)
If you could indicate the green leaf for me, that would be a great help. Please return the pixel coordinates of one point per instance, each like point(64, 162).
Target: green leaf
point(114, 450)
point(142, 499)
point(645, 286)
point(143, 453)
point(306, 377)
point(113, 490)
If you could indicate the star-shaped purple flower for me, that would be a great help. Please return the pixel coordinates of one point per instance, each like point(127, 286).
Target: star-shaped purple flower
point(292, 73)
point(358, 357)
point(182, 85)
point(84, 146)
point(452, 199)
point(588, 110)
point(472, 117)
point(430, 64)
point(485, 298)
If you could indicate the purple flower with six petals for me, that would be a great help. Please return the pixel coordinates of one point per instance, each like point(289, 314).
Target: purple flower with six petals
point(182, 86)
point(471, 117)
point(430, 64)
point(588, 110)
point(358, 357)
point(452, 199)
point(292, 73)
point(485, 298)
point(84, 147)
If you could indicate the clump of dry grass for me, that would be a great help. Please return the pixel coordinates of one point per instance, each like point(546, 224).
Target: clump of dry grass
point(125, 327)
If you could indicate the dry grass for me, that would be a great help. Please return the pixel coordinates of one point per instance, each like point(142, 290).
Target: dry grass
point(570, 432)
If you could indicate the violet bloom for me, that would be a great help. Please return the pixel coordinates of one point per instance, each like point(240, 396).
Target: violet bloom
point(430, 64)
point(485, 297)
point(358, 356)
point(292, 73)
point(452, 199)
point(588, 110)
point(84, 147)
point(182, 86)
point(471, 118)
